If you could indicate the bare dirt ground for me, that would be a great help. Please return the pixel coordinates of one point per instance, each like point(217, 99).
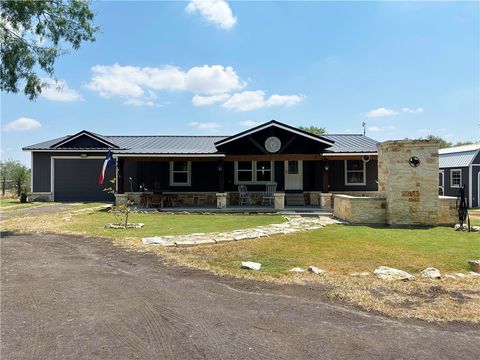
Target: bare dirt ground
point(67, 297)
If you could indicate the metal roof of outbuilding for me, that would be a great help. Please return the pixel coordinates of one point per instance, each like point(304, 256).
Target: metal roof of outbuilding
point(459, 159)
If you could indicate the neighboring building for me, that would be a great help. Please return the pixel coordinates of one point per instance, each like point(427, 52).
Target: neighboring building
point(195, 168)
point(460, 166)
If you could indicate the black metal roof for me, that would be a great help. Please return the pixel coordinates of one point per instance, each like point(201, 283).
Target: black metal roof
point(161, 144)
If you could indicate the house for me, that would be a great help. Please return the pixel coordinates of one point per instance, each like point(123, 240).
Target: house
point(458, 166)
point(306, 168)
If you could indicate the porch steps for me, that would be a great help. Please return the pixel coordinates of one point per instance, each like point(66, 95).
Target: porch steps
point(294, 199)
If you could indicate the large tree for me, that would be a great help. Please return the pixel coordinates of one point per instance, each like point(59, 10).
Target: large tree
point(33, 34)
point(315, 130)
point(14, 171)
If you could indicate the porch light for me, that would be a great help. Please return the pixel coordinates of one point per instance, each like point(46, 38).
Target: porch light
point(83, 155)
point(326, 166)
point(220, 166)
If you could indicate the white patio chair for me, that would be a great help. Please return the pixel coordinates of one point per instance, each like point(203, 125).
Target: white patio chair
point(268, 196)
point(244, 197)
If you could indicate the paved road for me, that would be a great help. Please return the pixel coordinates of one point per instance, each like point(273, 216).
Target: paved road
point(66, 297)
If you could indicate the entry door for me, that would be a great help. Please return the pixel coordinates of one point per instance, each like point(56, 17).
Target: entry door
point(293, 175)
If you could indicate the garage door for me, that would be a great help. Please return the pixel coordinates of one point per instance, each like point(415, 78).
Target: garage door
point(77, 180)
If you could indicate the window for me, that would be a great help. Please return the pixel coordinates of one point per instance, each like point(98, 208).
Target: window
point(293, 167)
point(253, 172)
point(455, 178)
point(355, 172)
point(180, 173)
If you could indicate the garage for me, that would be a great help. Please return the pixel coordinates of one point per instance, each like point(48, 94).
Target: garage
point(77, 180)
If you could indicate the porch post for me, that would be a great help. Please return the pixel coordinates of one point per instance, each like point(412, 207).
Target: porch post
point(221, 176)
point(120, 163)
point(324, 181)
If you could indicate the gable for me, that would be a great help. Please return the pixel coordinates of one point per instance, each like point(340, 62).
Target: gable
point(291, 141)
point(84, 140)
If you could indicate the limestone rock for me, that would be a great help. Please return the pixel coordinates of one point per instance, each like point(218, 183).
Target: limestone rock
point(460, 275)
point(430, 273)
point(474, 265)
point(387, 273)
point(297, 270)
point(250, 265)
point(315, 270)
point(474, 274)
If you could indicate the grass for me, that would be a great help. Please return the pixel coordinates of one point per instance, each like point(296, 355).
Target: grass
point(338, 249)
point(14, 204)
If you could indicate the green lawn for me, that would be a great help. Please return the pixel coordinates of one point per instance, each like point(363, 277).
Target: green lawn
point(157, 224)
point(14, 204)
point(343, 249)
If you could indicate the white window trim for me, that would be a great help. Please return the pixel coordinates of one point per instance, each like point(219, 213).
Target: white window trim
point(189, 175)
point(364, 175)
point(254, 174)
point(451, 178)
point(442, 185)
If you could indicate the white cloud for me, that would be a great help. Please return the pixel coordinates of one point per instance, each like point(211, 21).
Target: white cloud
point(246, 101)
point(381, 112)
point(251, 100)
point(217, 12)
point(136, 84)
point(199, 100)
point(284, 100)
point(212, 126)
point(22, 124)
point(59, 91)
point(249, 123)
point(381, 128)
point(413, 111)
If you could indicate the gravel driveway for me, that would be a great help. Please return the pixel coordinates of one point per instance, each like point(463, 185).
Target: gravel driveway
point(66, 297)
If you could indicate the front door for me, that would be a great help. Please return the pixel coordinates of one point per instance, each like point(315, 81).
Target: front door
point(293, 175)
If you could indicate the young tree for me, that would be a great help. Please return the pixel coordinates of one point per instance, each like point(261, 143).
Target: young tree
point(32, 36)
point(18, 173)
point(315, 130)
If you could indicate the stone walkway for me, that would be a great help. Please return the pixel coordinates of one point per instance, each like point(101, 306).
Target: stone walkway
point(293, 224)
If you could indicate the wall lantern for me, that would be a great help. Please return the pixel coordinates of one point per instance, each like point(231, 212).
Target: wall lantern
point(83, 155)
point(326, 166)
point(220, 166)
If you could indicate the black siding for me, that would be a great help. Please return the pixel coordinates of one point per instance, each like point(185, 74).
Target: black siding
point(336, 177)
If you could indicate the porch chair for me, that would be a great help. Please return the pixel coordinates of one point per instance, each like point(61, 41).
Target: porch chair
point(268, 196)
point(244, 197)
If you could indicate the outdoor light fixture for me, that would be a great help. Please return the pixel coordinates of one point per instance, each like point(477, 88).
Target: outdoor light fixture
point(83, 155)
point(326, 166)
point(220, 166)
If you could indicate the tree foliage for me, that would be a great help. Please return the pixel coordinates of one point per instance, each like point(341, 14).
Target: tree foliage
point(33, 34)
point(315, 130)
point(18, 173)
point(446, 144)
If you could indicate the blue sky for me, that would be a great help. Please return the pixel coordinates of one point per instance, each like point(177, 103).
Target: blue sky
point(407, 69)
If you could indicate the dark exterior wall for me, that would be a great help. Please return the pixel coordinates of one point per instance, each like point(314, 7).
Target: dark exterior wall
point(449, 191)
point(84, 142)
point(475, 192)
point(204, 176)
point(336, 177)
point(41, 162)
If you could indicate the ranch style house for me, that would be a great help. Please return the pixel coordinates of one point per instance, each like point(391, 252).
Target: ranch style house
point(302, 168)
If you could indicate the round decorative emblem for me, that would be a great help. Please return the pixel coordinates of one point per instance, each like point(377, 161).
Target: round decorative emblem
point(414, 161)
point(273, 144)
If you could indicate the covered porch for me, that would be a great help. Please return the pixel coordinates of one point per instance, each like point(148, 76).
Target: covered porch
point(190, 182)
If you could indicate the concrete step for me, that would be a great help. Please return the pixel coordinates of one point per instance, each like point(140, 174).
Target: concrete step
point(294, 199)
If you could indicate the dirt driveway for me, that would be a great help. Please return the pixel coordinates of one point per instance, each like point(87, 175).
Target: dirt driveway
point(66, 297)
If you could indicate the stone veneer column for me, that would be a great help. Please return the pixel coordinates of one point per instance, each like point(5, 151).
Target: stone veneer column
point(411, 192)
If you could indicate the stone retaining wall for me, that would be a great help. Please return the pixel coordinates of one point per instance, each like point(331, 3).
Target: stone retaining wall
point(360, 210)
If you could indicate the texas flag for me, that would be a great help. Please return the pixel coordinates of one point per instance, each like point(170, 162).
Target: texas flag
point(109, 161)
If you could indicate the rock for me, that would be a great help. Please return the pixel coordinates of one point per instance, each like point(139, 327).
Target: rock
point(448, 276)
point(157, 241)
point(474, 265)
point(386, 273)
point(189, 243)
point(251, 265)
point(460, 275)
point(474, 274)
point(296, 269)
point(363, 273)
point(430, 273)
point(315, 270)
